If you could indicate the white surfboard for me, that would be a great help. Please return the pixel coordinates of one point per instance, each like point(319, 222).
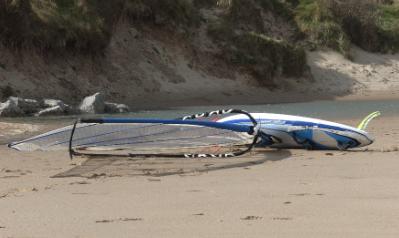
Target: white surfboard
point(287, 131)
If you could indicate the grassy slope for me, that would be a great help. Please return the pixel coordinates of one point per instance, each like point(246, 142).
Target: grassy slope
point(247, 39)
point(338, 24)
point(59, 24)
point(79, 25)
point(320, 26)
point(389, 25)
point(87, 24)
point(248, 43)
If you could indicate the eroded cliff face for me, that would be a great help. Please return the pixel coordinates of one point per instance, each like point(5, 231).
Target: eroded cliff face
point(138, 67)
point(151, 62)
point(180, 52)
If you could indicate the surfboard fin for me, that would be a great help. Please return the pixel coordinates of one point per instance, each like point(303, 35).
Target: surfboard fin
point(363, 124)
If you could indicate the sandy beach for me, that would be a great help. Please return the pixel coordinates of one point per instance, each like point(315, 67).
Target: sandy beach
point(333, 60)
point(368, 76)
point(270, 193)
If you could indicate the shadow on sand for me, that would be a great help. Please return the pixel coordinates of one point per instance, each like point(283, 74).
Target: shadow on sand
point(125, 167)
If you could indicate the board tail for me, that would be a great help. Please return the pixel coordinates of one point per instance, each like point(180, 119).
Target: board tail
point(363, 124)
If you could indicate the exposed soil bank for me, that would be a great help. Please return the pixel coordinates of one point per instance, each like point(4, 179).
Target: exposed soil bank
point(368, 76)
point(157, 63)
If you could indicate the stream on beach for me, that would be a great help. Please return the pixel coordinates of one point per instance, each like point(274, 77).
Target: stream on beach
point(328, 110)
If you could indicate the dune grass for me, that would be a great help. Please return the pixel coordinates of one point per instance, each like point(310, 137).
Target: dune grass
point(87, 25)
point(84, 25)
point(57, 24)
point(318, 23)
point(338, 24)
point(181, 13)
point(245, 43)
point(389, 26)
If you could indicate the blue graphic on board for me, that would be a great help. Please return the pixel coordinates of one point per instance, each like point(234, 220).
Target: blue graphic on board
point(288, 131)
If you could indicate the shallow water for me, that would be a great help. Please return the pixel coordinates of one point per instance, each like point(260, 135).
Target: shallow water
point(329, 110)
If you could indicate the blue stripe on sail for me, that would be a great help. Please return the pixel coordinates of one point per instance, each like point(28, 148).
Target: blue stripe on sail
point(142, 142)
point(219, 125)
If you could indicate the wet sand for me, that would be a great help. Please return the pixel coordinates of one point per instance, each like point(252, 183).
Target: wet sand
point(271, 193)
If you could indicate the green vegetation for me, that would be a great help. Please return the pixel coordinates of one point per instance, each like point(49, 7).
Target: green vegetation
point(279, 7)
point(84, 25)
point(6, 92)
point(49, 24)
point(181, 13)
point(336, 24)
point(264, 57)
point(247, 44)
point(252, 15)
point(267, 57)
point(318, 23)
point(263, 37)
point(87, 24)
point(389, 26)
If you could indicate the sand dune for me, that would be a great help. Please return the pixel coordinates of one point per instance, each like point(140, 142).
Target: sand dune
point(367, 76)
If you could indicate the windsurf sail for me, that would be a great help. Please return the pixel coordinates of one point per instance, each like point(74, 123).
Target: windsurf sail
point(363, 124)
point(192, 136)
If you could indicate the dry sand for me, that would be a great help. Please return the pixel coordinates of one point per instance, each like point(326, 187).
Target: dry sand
point(286, 193)
point(367, 76)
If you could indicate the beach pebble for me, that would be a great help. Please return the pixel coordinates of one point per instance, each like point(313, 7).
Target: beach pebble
point(16, 106)
point(115, 108)
point(93, 104)
point(10, 109)
point(28, 106)
point(46, 103)
point(51, 111)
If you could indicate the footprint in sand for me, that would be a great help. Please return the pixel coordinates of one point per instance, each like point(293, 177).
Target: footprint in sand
point(50, 186)
point(9, 192)
point(282, 218)
point(250, 218)
point(96, 176)
point(79, 182)
point(306, 194)
point(15, 172)
point(300, 194)
point(104, 221)
point(9, 176)
point(119, 220)
point(154, 180)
